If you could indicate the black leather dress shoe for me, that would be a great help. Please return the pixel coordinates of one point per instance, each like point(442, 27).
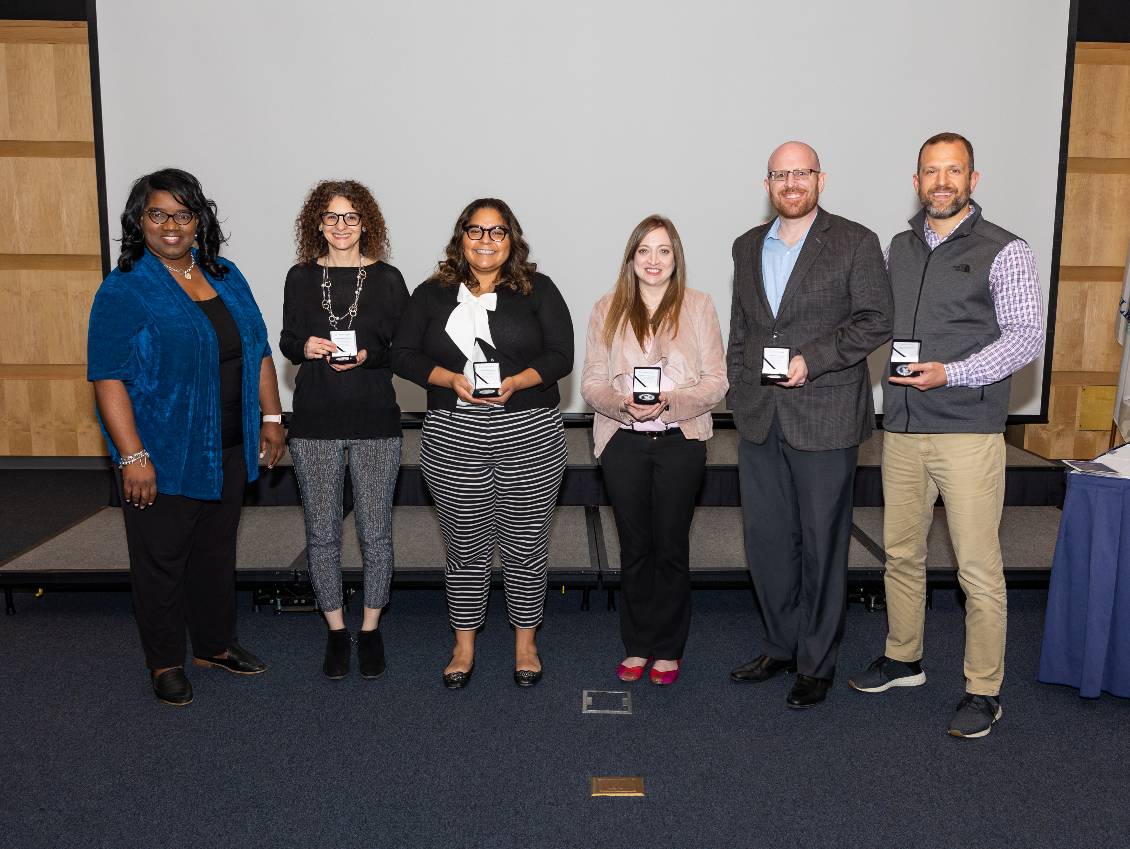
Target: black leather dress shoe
point(526, 677)
point(172, 687)
point(762, 668)
point(239, 660)
point(457, 680)
point(808, 691)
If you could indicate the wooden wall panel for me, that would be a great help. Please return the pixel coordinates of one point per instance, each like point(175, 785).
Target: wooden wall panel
point(1096, 219)
point(1097, 130)
point(45, 315)
point(1085, 326)
point(50, 255)
point(49, 206)
point(46, 92)
point(48, 418)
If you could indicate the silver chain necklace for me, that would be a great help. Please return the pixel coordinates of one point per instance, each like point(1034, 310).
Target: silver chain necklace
point(327, 293)
point(187, 272)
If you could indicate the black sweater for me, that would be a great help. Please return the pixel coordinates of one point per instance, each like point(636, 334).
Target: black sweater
point(529, 331)
point(359, 403)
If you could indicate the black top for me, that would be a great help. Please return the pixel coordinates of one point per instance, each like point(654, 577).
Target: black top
point(359, 403)
point(231, 370)
point(528, 331)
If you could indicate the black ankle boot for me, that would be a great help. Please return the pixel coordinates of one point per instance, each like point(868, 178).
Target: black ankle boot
point(371, 653)
point(339, 646)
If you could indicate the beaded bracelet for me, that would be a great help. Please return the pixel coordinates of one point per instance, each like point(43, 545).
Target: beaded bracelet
point(140, 457)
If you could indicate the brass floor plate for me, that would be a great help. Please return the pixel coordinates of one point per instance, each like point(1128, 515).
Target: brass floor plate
point(625, 785)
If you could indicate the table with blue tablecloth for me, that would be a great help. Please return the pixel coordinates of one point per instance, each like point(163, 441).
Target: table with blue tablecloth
point(1087, 627)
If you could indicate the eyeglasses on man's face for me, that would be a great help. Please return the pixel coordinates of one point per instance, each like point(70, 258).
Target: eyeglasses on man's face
point(798, 174)
point(159, 216)
point(476, 233)
point(352, 219)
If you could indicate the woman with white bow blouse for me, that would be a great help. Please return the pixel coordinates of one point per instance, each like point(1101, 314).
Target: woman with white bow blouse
point(489, 337)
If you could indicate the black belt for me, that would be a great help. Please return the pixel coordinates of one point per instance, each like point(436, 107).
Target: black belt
point(654, 434)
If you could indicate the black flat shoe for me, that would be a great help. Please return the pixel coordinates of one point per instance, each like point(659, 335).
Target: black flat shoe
point(457, 680)
point(762, 668)
point(172, 687)
point(526, 677)
point(339, 647)
point(371, 653)
point(808, 692)
point(239, 660)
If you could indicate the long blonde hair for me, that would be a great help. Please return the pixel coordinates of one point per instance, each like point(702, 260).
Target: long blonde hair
point(627, 307)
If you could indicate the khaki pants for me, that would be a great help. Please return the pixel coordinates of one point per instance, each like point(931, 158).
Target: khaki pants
point(968, 470)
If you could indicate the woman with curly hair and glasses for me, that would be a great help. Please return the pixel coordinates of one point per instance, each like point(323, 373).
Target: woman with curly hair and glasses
point(489, 337)
point(341, 306)
point(182, 371)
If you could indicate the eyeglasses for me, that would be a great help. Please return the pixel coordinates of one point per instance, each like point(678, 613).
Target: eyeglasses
point(159, 216)
point(476, 233)
point(352, 219)
point(798, 174)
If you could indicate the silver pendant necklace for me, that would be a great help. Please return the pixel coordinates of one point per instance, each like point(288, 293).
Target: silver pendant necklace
point(327, 293)
point(187, 272)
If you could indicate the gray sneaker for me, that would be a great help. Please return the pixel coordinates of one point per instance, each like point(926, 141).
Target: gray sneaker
point(884, 673)
point(975, 716)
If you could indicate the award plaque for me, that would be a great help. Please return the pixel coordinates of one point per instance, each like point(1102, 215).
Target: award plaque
point(903, 353)
point(774, 365)
point(645, 384)
point(488, 379)
point(346, 341)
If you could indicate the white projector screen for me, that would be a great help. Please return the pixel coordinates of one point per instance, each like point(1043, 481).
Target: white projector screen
point(584, 116)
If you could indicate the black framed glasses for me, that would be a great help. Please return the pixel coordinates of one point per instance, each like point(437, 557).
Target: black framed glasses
point(159, 216)
point(352, 219)
point(798, 174)
point(475, 233)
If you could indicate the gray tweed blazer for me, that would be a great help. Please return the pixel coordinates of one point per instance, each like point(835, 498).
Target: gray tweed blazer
point(837, 308)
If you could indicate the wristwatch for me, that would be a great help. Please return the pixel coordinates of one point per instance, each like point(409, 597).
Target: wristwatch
point(273, 418)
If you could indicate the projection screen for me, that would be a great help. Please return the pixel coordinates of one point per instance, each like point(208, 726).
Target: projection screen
point(583, 116)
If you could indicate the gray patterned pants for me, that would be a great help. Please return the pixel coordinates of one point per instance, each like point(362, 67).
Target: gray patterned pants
point(373, 466)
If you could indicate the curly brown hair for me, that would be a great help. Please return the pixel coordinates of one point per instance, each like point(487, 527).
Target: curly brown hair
point(312, 244)
point(515, 273)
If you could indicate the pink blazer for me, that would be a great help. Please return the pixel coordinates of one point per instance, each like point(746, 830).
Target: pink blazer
point(695, 360)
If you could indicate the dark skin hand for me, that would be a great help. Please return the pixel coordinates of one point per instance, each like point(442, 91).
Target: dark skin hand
point(461, 386)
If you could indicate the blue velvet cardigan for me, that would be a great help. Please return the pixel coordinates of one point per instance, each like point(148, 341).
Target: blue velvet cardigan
point(146, 332)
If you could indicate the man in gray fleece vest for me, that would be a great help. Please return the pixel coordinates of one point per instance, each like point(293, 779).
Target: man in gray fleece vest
point(967, 316)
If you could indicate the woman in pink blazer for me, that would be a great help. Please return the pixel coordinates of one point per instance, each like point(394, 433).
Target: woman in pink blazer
point(653, 335)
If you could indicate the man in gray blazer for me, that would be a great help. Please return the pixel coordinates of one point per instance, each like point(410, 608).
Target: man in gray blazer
point(811, 301)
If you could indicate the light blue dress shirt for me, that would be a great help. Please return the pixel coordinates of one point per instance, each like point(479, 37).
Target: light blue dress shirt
point(777, 261)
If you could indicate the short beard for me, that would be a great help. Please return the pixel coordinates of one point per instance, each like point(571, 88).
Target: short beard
point(956, 205)
point(808, 204)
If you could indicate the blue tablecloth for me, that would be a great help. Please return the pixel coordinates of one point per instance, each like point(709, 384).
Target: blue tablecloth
point(1087, 627)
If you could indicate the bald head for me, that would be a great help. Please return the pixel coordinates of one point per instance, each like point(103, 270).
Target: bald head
point(793, 154)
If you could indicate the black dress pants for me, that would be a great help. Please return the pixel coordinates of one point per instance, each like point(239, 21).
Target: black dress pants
point(796, 508)
point(182, 568)
point(652, 481)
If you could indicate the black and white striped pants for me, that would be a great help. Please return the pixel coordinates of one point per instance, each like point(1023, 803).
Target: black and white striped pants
point(494, 476)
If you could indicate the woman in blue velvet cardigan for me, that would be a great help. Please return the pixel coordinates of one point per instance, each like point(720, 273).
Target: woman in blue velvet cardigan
point(178, 354)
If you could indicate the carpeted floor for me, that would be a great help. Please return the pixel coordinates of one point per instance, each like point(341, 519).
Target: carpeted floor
point(35, 504)
point(287, 759)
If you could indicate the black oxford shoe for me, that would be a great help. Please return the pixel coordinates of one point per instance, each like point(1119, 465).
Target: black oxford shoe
point(172, 687)
point(808, 692)
point(762, 668)
point(238, 660)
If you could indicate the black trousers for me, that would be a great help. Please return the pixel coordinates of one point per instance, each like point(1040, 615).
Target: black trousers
point(182, 568)
point(796, 507)
point(652, 481)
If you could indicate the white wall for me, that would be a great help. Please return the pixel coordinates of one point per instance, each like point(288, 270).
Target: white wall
point(584, 116)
